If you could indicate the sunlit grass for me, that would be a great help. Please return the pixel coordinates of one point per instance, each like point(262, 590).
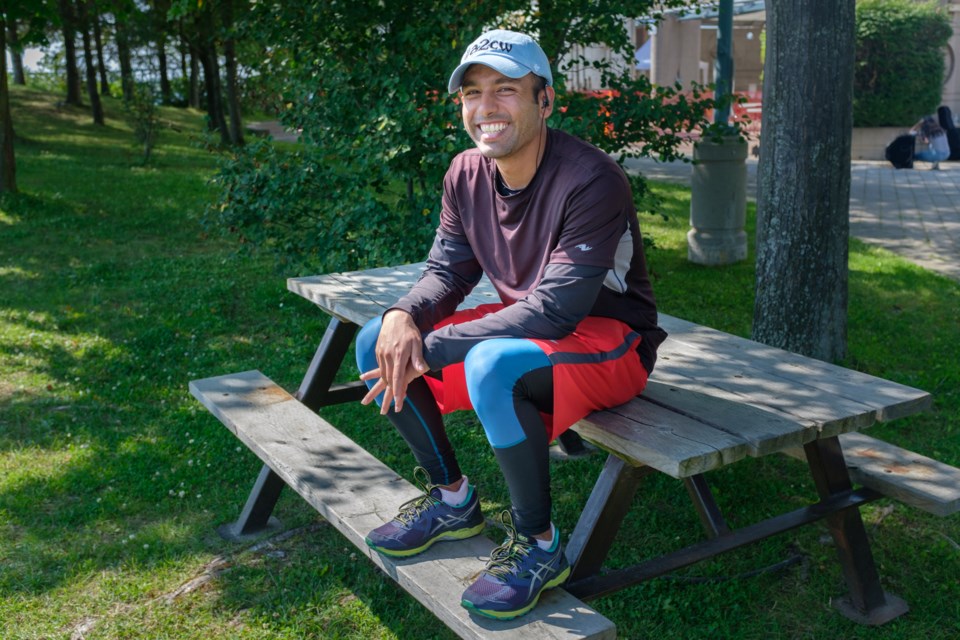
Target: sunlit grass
point(113, 478)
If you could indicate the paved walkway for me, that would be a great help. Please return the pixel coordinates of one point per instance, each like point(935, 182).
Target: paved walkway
point(914, 213)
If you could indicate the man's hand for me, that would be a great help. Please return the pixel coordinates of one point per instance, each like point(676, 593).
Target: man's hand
point(400, 358)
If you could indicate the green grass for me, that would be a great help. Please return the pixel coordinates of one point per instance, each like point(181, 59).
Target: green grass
point(113, 479)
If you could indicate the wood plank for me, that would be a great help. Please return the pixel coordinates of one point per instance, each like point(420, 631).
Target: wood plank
point(709, 373)
point(838, 400)
point(644, 433)
point(355, 492)
point(765, 430)
point(900, 474)
point(358, 296)
point(336, 297)
point(890, 400)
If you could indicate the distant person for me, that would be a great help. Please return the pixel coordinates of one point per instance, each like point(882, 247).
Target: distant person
point(934, 140)
point(945, 116)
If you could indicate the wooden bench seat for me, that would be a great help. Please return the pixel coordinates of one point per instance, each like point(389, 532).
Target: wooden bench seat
point(897, 473)
point(355, 492)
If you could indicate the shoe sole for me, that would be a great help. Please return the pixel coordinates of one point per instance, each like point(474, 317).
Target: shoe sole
point(459, 534)
point(516, 613)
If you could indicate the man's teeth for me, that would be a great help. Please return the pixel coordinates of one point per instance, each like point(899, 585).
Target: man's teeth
point(493, 128)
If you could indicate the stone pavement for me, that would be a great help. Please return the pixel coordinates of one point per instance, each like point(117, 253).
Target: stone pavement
point(914, 213)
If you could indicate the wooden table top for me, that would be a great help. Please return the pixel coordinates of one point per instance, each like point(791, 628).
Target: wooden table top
point(710, 376)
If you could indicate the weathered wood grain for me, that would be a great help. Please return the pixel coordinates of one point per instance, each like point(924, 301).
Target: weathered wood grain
point(764, 429)
point(889, 400)
point(355, 492)
point(906, 476)
point(644, 433)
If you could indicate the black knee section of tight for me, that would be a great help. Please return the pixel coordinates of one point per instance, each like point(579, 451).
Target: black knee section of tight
point(526, 465)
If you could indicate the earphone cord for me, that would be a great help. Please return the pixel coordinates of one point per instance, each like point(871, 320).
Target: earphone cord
point(540, 136)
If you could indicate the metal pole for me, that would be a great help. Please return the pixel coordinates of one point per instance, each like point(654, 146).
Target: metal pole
point(724, 67)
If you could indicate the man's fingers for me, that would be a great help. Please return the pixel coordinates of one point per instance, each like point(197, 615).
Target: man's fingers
point(374, 391)
point(420, 365)
point(387, 400)
point(373, 374)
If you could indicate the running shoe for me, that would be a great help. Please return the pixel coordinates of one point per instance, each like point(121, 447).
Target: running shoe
point(425, 520)
point(518, 572)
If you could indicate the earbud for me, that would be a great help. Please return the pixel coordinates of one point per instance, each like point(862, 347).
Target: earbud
point(545, 103)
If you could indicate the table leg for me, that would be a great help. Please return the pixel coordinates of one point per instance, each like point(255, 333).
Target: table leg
point(317, 388)
point(602, 516)
point(867, 603)
point(707, 508)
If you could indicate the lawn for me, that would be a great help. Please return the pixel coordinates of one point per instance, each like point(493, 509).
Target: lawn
point(113, 478)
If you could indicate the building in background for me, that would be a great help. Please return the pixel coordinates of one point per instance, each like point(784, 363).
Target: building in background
point(683, 48)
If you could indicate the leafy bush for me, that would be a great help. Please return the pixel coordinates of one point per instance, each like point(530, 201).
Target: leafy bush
point(314, 215)
point(899, 62)
point(365, 83)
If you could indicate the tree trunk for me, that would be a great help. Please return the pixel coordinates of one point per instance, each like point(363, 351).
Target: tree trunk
point(194, 97)
point(190, 64)
point(211, 77)
point(70, 52)
point(96, 106)
point(160, 25)
point(166, 95)
point(233, 89)
point(803, 194)
point(98, 38)
point(8, 162)
point(123, 53)
point(16, 53)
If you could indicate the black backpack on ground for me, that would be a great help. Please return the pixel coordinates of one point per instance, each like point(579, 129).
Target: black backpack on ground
point(900, 152)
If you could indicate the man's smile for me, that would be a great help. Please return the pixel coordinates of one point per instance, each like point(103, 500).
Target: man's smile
point(491, 129)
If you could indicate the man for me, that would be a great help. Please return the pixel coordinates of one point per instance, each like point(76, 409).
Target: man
point(550, 220)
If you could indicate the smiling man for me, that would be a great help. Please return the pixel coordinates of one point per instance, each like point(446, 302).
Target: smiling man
point(550, 220)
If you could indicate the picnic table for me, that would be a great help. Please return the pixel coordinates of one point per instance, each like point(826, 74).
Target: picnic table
point(713, 399)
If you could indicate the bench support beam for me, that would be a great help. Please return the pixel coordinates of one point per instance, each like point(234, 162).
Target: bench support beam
point(867, 603)
point(256, 519)
point(597, 586)
point(316, 390)
point(706, 506)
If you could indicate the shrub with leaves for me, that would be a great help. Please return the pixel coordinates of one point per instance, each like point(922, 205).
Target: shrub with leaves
point(366, 84)
point(899, 61)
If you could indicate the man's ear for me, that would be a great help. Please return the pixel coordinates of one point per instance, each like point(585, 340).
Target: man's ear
point(548, 101)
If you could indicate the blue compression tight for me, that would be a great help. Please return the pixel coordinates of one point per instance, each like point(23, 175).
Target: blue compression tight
point(509, 381)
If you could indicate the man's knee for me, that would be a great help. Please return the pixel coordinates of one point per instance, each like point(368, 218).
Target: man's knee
point(367, 344)
point(494, 366)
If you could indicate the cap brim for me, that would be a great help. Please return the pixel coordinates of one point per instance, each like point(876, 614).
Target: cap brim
point(497, 62)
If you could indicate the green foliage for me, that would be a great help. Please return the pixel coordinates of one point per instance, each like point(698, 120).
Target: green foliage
point(899, 61)
point(145, 116)
point(365, 82)
point(312, 213)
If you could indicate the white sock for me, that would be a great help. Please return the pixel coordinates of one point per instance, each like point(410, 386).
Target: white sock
point(547, 545)
point(458, 497)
